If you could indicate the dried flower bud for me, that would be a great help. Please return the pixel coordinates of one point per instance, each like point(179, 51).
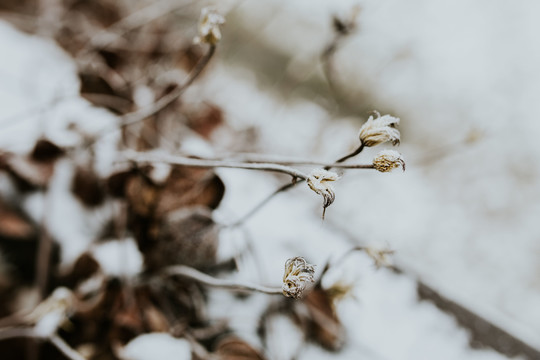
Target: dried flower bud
point(380, 256)
point(379, 130)
point(319, 181)
point(209, 22)
point(297, 277)
point(387, 160)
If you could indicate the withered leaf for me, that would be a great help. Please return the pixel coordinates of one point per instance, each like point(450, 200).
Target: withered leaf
point(234, 348)
point(323, 325)
point(87, 187)
point(45, 151)
point(207, 121)
point(187, 236)
point(190, 186)
point(14, 225)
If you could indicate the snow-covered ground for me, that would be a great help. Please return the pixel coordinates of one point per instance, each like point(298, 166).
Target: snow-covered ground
point(462, 217)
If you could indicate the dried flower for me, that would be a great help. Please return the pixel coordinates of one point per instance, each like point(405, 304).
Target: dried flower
point(380, 256)
point(379, 130)
point(319, 181)
point(387, 160)
point(297, 277)
point(209, 22)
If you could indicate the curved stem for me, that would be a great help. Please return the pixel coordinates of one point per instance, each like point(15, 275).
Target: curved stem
point(140, 157)
point(142, 114)
point(191, 273)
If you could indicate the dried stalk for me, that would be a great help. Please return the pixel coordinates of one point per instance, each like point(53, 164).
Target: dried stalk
point(191, 273)
point(142, 114)
point(140, 157)
point(55, 340)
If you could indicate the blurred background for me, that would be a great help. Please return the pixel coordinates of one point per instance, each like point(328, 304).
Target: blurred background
point(289, 80)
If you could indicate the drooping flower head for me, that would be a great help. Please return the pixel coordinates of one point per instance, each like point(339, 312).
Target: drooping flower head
point(297, 277)
point(387, 160)
point(209, 23)
point(379, 130)
point(319, 180)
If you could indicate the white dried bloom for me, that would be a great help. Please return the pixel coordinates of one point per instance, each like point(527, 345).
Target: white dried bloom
point(209, 23)
point(381, 257)
point(379, 130)
point(297, 277)
point(387, 160)
point(319, 181)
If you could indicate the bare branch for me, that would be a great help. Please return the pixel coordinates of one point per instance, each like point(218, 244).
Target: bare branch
point(141, 157)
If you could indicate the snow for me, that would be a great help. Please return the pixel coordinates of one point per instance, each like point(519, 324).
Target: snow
point(157, 346)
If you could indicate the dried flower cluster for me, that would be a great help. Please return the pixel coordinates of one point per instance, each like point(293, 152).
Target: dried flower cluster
point(387, 160)
point(209, 27)
point(379, 130)
point(298, 277)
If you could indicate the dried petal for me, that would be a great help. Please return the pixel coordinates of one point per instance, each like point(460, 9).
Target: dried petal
point(319, 181)
point(387, 160)
point(297, 277)
point(209, 22)
point(379, 130)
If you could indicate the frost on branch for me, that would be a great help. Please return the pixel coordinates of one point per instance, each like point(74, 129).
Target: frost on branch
point(297, 277)
point(379, 130)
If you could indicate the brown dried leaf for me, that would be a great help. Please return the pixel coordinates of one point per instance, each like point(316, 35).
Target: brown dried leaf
point(190, 186)
point(45, 151)
point(187, 236)
point(323, 325)
point(234, 348)
point(13, 225)
point(88, 188)
point(207, 121)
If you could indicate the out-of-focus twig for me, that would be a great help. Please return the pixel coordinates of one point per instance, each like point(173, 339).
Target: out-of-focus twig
point(142, 114)
point(191, 273)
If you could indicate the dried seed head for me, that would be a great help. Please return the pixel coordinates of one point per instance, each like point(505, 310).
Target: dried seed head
point(297, 277)
point(379, 130)
point(381, 257)
point(387, 160)
point(319, 181)
point(209, 22)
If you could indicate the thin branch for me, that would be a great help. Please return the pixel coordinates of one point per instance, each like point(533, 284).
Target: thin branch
point(140, 157)
point(290, 161)
point(286, 187)
point(142, 114)
point(191, 273)
point(54, 339)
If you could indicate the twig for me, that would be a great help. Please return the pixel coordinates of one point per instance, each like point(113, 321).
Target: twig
point(286, 187)
point(140, 157)
point(142, 114)
point(191, 273)
point(54, 339)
